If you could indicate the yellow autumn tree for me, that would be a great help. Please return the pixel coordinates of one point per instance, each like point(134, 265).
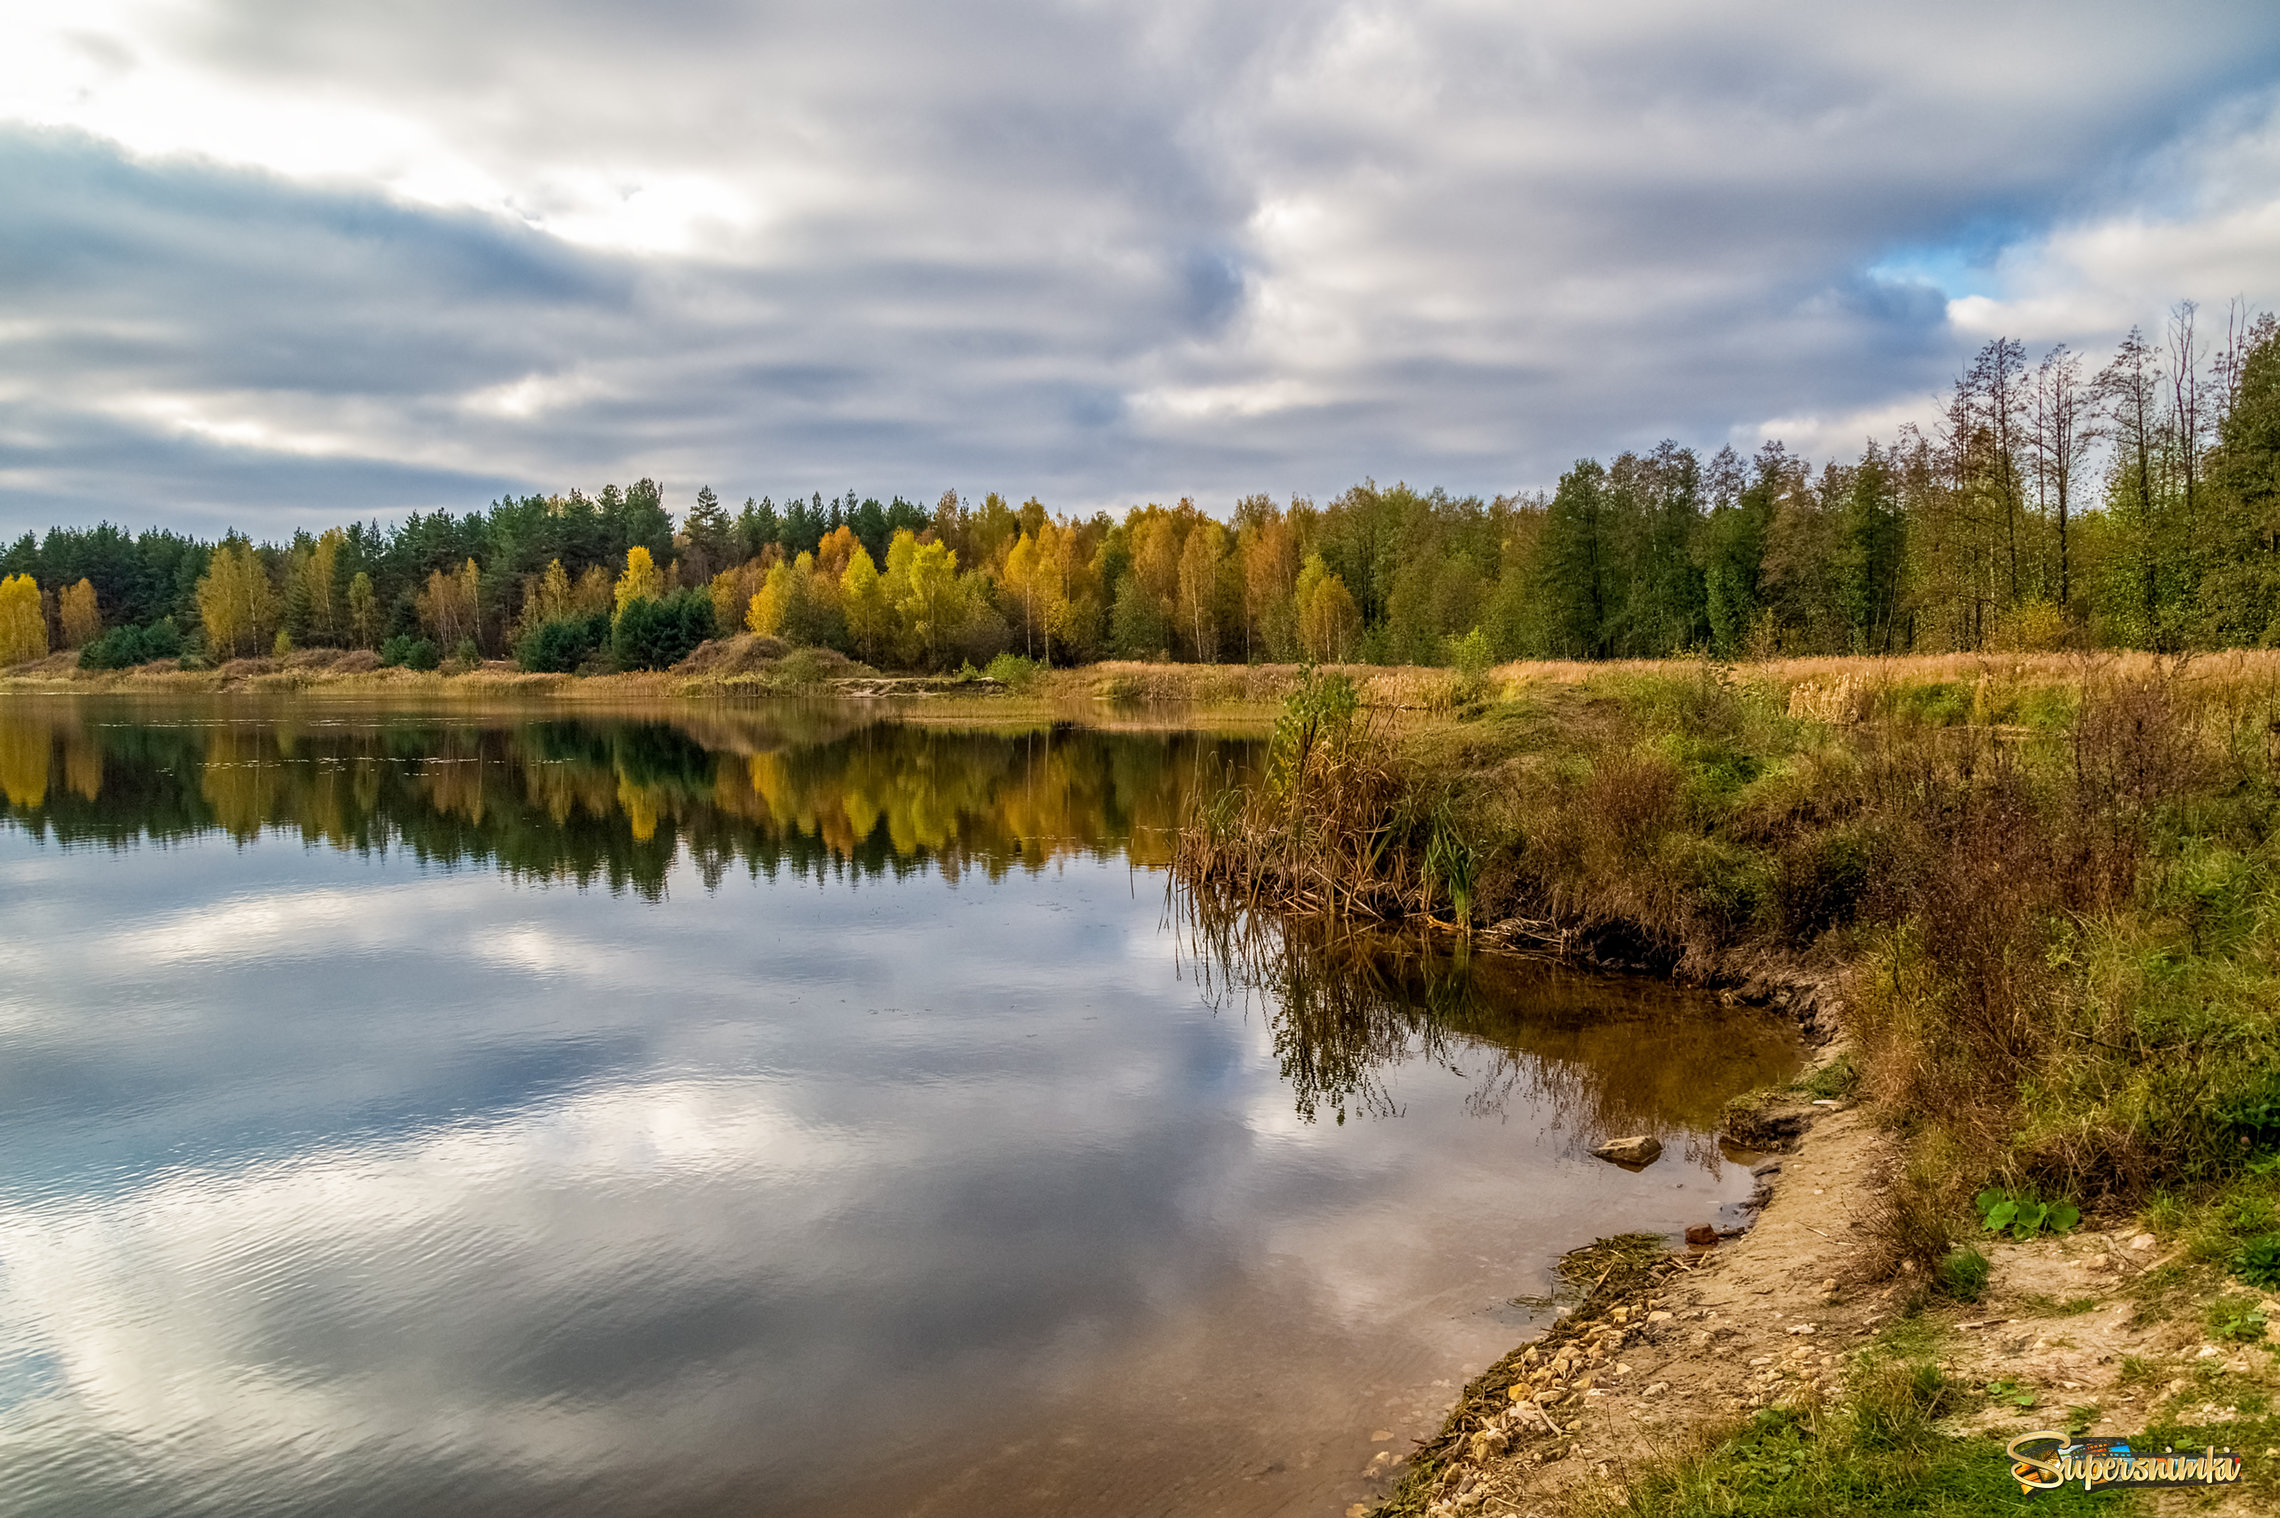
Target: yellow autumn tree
point(363, 611)
point(863, 596)
point(75, 608)
point(546, 598)
point(312, 594)
point(764, 614)
point(450, 606)
point(1199, 566)
point(640, 582)
point(23, 624)
point(1328, 621)
point(1020, 581)
point(236, 604)
point(929, 602)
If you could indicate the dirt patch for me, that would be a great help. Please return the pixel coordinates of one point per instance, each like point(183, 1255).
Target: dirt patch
point(2102, 1331)
point(1668, 1342)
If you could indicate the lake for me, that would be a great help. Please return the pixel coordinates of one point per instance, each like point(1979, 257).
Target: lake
point(762, 1109)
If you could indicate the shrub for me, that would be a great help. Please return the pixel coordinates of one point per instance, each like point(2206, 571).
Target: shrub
point(803, 667)
point(1012, 670)
point(409, 652)
point(2258, 1262)
point(658, 633)
point(1819, 883)
point(560, 647)
point(125, 647)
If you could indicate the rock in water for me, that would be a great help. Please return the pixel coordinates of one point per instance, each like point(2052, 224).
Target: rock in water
point(1701, 1235)
point(1642, 1149)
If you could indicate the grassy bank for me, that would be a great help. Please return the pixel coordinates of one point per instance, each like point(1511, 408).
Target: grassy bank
point(732, 670)
point(2037, 896)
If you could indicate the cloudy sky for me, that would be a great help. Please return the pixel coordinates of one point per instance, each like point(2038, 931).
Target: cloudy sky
point(269, 262)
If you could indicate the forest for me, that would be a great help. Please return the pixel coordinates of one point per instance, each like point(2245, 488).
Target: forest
point(2057, 502)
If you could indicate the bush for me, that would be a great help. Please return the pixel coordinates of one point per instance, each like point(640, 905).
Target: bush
point(560, 647)
point(125, 647)
point(2258, 1262)
point(660, 633)
point(411, 653)
point(1012, 670)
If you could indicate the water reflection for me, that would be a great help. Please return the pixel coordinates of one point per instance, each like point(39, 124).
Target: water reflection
point(610, 798)
point(867, 1139)
point(1602, 1054)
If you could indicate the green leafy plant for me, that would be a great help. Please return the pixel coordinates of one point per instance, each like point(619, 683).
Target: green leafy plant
point(2239, 1319)
point(2258, 1262)
point(2025, 1215)
point(2011, 1393)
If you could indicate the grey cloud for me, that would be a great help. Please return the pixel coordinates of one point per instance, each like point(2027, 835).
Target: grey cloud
point(1104, 253)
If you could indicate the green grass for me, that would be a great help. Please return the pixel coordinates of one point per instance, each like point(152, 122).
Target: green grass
point(1880, 1451)
point(1962, 1275)
point(1784, 1464)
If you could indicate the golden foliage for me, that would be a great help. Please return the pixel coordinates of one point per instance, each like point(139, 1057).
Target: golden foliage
point(640, 582)
point(23, 625)
point(450, 607)
point(75, 608)
point(23, 761)
point(236, 605)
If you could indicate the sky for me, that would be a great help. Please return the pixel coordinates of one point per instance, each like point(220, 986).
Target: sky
point(279, 263)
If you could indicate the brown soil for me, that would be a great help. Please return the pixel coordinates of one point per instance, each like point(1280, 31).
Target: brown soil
point(1689, 1346)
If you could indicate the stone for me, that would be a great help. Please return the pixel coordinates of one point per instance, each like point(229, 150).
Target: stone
point(1379, 1436)
point(2142, 1241)
point(1640, 1149)
point(1701, 1235)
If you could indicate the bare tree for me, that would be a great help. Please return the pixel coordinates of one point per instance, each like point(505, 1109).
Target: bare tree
point(2190, 405)
point(2062, 433)
point(2128, 392)
point(1995, 391)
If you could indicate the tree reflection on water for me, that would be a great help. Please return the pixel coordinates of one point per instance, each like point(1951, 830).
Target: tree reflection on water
point(1603, 1055)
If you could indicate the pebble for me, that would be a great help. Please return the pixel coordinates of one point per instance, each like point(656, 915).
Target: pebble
point(2142, 1241)
point(1379, 1436)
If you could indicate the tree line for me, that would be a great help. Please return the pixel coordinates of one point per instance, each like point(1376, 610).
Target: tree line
point(2055, 503)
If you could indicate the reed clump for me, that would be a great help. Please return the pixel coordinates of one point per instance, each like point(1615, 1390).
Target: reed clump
point(1332, 825)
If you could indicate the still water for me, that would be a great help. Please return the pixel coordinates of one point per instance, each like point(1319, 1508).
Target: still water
point(748, 1111)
